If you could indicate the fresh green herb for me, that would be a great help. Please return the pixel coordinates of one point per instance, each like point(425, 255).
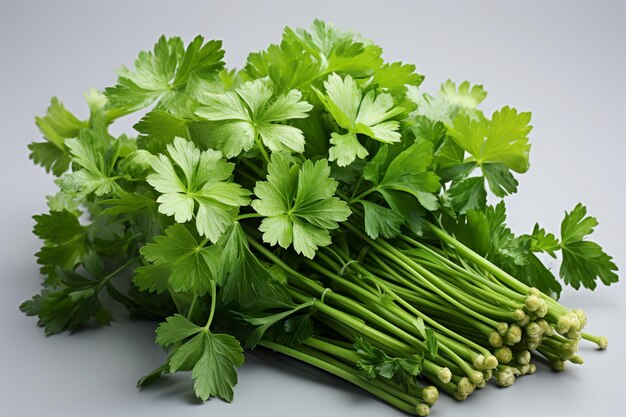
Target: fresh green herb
point(316, 203)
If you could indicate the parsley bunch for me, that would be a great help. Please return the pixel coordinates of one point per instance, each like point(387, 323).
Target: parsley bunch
point(316, 203)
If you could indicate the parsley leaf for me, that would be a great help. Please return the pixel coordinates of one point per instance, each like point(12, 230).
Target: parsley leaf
point(542, 241)
point(339, 51)
point(466, 95)
point(212, 358)
point(449, 103)
point(298, 204)
point(485, 231)
point(263, 323)
point(289, 65)
point(244, 279)
point(96, 159)
point(65, 241)
point(583, 261)
point(380, 220)
point(503, 139)
point(468, 194)
point(375, 362)
point(369, 115)
point(396, 76)
point(164, 72)
point(409, 172)
point(57, 125)
point(203, 183)
point(178, 259)
point(68, 307)
point(429, 336)
point(247, 114)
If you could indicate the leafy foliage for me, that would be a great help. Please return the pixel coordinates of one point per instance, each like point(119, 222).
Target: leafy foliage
point(298, 204)
point(203, 184)
point(583, 261)
point(209, 220)
point(213, 359)
point(369, 115)
point(246, 115)
point(163, 73)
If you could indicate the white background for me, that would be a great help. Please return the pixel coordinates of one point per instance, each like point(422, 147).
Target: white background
point(564, 61)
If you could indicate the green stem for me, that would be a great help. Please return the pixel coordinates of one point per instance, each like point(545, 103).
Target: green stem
point(193, 306)
point(104, 280)
point(393, 313)
point(362, 195)
point(425, 277)
point(262, 150)
point(213, 303)
point(312, 359)
point(248, 216)
point(352, 358)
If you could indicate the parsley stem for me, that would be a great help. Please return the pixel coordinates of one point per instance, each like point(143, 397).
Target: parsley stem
point(213, 303)
point(192, 306)
point(331, 366)
point(262, 149)
point(104, 280)
point(248, 216)
point(394, 315)
point(348, 359)
point(425, 277)
point(397, 312)
point(360, 311)
point(362, 195)
point(504, 277)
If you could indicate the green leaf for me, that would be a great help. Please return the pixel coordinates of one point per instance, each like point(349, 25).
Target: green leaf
point(485, 232)
point(212, 358)
point(404, 205)
point(584, 262)
point(162, 124)
point(65, 241)
point(429, 336)
point(175, 329)
point(431, 343)
point(57, 125)
point(369, 115)
point(408, 172)
point(297, 329)
point(96, 157)
point(61, 201)
point(501, 181)
point(74, 303)
point(468, 194)
point(298, 204)
point(245, 280)
point(247, 113)
point(179, 259)
point(289, 65)
point(396, 76)
point(542, 241)
point(465, 95)
point(264, 323)
point(503, 139)
point(375, 362)
point(164, 72)
point(337, 51)
point(49, 156)
point(381, 220)
point(203, 184)
point(215, 373)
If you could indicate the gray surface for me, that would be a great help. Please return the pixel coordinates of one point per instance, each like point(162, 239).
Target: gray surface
point(564, 61)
